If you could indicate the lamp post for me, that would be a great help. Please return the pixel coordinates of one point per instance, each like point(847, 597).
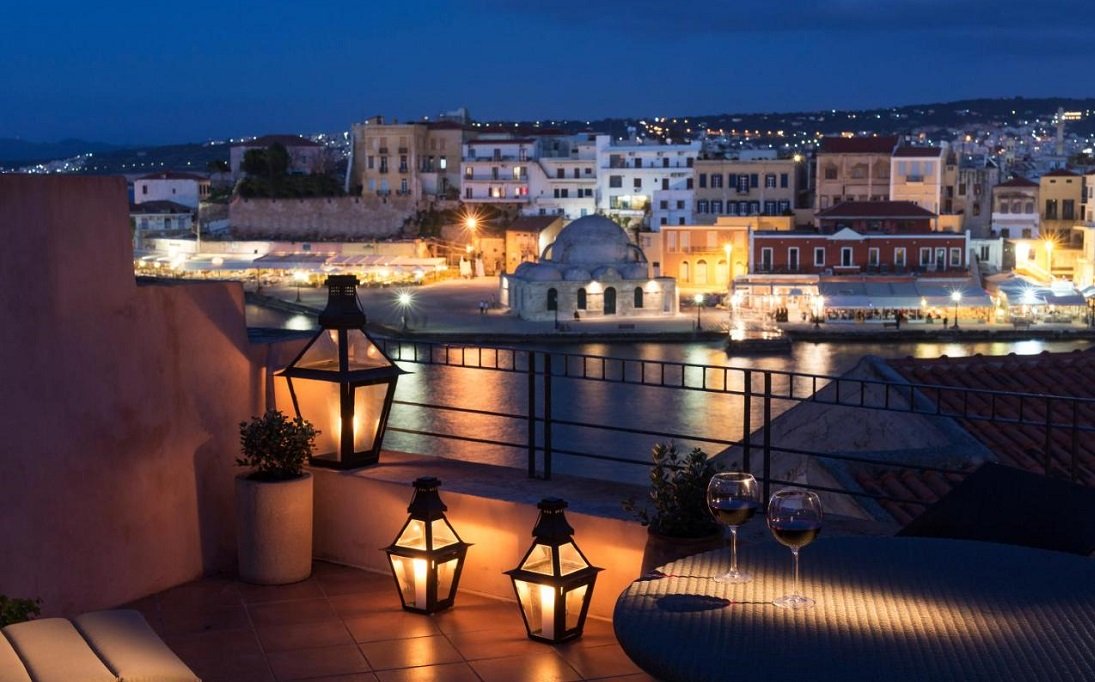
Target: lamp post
point(554, 580)
point(299, 277)
point(698, 300)
point(819, 311)
point(404, 300)
point(956, 296)
point(342, 382)
point(427, 556)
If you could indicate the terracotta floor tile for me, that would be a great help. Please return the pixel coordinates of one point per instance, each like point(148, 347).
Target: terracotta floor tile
point(257, 594)
point(209, 592)
point(488, 615)
point(408, 653)
point(545, 667)
point(596, 633)
point(215, 644)
point(354, 677)
point(249, 668)
point(308, 663)
point(602, 661)
point(182, 620)
point(390, 625)
point(353, 581)
point(366, 603)
point(291, 612)
point(303, 635)
point(477, 644)
point(449, 672)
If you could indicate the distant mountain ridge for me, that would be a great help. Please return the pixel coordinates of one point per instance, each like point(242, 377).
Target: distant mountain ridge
point(16, 150)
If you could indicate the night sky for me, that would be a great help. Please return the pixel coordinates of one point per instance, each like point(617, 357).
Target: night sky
point(161, 72)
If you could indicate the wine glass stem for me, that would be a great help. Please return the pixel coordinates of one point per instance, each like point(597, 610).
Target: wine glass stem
point(734, 549)
point(794, 591)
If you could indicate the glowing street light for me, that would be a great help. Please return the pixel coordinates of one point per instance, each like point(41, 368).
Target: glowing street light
point(1049, 256)
point(404, 300)
point(698, 300)
point(956, 296)
point(299, 277)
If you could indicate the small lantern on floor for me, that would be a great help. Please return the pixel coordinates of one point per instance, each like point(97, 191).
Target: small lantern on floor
point(554, 581)
point(427, 555)
point(343, 383)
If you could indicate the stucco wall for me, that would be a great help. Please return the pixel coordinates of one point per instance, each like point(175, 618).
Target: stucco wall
point(122, 405)
point(322, 218)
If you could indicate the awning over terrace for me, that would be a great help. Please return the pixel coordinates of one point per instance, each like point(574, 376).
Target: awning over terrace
point(903, 294)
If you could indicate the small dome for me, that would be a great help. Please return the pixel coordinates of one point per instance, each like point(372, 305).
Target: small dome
point(635, 271)
point(593, 240)
point(538, 272)
point(577, 275)
point(606, 273)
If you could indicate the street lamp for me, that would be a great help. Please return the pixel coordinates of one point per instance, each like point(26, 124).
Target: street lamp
point(299, 277)
point(698, 300)
point(956, 296)
point(404, 299)
point(819, 310)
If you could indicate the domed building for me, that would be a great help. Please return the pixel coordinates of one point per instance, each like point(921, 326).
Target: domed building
point(592, 269)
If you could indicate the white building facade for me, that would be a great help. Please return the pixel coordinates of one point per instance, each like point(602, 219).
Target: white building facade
point(645, 184)
point(188, 189)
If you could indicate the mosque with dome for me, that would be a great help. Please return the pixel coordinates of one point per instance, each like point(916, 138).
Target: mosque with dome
point(591, 270)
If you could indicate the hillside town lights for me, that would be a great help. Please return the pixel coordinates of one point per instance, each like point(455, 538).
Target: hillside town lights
point(343, 383)
point(427, 555)
point(554, 581)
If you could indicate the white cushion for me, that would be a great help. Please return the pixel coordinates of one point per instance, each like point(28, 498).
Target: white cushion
point(11, 668)
point(53, 651)
point(130, 647)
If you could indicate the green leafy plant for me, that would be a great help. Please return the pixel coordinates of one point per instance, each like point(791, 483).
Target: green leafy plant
point(275, 446)
point(677, 504)
point(16, 610)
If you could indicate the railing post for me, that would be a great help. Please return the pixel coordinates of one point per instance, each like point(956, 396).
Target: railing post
point(767, 436)
point(547, 416)
point(747, 404)
point(532, 414)
point(1074, 465)
point(1047, 456)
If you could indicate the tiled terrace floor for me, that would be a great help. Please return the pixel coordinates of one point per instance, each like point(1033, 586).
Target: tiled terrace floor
point(345, 624)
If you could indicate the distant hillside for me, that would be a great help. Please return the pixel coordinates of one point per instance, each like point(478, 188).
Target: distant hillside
point(14, 151)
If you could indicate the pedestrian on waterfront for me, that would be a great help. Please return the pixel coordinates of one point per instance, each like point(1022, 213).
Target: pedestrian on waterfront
point(897, 320)
point(945, 322)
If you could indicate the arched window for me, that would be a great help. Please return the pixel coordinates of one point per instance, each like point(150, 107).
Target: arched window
point(638, 297)
point(684, 271)
point(701, 272)
point(610, 301)
point(582, 299)
point(552, 299)
point(722, 272)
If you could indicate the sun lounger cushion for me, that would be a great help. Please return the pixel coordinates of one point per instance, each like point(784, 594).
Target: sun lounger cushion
point(128, 645)
point(11, 668)
point(53, 651)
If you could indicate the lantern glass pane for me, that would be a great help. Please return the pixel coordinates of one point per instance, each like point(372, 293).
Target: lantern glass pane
point(538, 603)
point(319, 403)
point(574, 600)
point(363, 353)
point(443, 534)
point(322, 354)
point(413, 535)
point(368, 405)
point(411, 575)
point(446, 573)
point(539, 560)
point(570, 560)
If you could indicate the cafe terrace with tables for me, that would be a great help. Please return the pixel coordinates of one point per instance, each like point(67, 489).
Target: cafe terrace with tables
point(123, 418)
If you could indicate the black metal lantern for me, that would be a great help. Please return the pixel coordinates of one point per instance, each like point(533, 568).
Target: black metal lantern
point(343, 382)
point(554, 581)
point(427, 555)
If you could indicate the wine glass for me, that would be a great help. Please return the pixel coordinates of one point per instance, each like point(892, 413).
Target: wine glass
point(794, 516)
point(732, 498)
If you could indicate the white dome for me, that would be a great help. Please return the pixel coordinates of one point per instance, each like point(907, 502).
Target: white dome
point(593, 240)
point(577, 275)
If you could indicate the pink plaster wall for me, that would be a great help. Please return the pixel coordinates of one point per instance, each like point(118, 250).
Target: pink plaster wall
point(120, 404)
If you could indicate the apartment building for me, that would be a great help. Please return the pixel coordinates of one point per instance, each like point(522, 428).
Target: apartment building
point(647, 185)
point(853, 169)
point(973, 194)
point(916, 175)
point(563, 176)
point(188, 189)
point(494, 169)
point(1015, 209)
point(420, 161)
point(852, 252)
point(1060, 195)
point(709, 257)
point(305, 156)
point(737, 187)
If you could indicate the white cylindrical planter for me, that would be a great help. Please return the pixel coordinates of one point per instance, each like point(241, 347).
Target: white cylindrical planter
point(274, 530)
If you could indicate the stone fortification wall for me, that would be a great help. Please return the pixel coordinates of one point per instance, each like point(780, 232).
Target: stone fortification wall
point(319, 219)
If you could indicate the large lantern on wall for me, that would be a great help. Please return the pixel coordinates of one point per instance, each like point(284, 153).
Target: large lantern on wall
point(554, 581)
point(343, 382)
point(427, 555)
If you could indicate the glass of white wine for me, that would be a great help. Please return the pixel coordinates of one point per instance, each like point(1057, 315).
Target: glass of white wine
point(733, 499)
point(794, 516)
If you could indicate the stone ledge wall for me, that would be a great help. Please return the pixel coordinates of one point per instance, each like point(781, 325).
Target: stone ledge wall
point(326, 218)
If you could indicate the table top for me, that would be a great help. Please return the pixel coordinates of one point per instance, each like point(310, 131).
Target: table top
point(887, 608)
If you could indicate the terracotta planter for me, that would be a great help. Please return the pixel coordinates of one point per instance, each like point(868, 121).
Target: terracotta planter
point(662, 549)
point(274, 530)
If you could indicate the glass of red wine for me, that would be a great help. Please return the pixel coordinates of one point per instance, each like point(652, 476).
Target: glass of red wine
point(794, 516)
point(732, 498)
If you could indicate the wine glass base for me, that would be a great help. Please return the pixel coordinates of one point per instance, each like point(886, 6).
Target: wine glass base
point(734, 577)
point(794, 601)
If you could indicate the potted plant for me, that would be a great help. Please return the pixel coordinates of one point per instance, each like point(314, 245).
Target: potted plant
point(17, 610)
point(274, 500)
point(676, 513)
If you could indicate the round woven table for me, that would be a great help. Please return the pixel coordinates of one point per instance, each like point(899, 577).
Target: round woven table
point(887, 609)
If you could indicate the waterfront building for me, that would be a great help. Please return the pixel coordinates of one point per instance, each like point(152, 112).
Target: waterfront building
point(1060, 199)
point(187, 189)
point(709, 257)
point(741, 187)
point(527, 237)
point(591, 270)
point(160, 217)
point(973, 193)
point(563, 176)
point(419, 161)
point(645, 184)
point(305, 156)
point(1015, 209)
point(853, 169)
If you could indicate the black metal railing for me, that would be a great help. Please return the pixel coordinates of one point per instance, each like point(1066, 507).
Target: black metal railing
point(1061, 422)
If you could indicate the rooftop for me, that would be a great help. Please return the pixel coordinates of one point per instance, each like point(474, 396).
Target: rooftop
point(915, 152)
point(875, 209)
point(174, 175)
point(1018, 182)
point(858, 145)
